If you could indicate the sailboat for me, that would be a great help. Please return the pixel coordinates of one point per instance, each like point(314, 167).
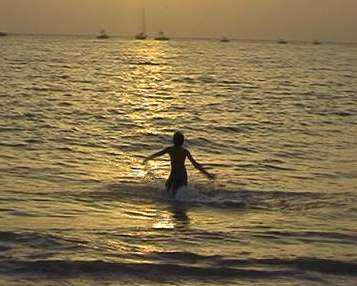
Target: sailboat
point(142, 35)
point(102, 35)
point(162, 37)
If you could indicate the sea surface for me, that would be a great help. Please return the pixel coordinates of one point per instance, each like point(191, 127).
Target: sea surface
point(277, 124)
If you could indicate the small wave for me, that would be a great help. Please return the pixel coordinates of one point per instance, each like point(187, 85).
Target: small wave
point(34, 141)
point(10, 128)
point(30, 238)
point(217, 197)
point(46, 88)
point(145, 63)
point(230, 129)
point(188, 196)
point(230, 82)
point(191, 195)
point(89, 81)
point(206, 79)
point(13, 144)
point(341, 113)
point(290, 154)
point(65, 103)
point(186, 79)
point(185, 256)
point(275, 167)
point(317, 236)
point(223, 268)
point(326, 266)
point(70, 268)
point(203, 79)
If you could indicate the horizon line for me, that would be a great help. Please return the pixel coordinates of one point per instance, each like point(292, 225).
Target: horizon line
point(181, 37)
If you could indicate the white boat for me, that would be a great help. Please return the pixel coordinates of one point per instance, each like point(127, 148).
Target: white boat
point(282, 42)
point(161, 37)
point(225, 40)
point(142, 35)
point(102, 35)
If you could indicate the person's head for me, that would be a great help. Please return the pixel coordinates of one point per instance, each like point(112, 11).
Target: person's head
point(178, 139)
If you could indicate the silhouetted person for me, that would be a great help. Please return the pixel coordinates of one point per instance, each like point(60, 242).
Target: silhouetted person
point(178, 155)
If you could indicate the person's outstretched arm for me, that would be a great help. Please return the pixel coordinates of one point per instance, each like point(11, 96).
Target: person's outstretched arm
point(158, 154)
point(200, 167)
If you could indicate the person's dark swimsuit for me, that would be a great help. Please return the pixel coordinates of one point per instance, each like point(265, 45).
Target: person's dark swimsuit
point(178, 175)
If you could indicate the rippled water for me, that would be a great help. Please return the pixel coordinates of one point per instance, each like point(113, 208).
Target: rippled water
point(277, 124)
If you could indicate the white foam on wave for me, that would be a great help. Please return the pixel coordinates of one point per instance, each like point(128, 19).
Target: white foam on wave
point(191, 194)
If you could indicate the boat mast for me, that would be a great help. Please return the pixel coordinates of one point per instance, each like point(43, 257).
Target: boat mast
point(144, 22)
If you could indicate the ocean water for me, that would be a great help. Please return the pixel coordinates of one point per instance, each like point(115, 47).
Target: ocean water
point(276, 123)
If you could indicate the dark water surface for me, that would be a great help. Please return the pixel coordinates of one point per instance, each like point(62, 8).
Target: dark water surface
point(276, 123)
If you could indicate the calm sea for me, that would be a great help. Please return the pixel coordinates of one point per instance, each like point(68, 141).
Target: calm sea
point(276, 123)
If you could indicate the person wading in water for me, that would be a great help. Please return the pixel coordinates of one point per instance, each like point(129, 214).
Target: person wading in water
point(178, 155)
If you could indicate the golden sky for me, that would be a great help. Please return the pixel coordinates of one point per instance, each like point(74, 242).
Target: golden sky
point(255, 19)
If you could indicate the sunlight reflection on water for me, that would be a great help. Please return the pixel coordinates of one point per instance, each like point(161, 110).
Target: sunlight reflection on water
point(276, 124)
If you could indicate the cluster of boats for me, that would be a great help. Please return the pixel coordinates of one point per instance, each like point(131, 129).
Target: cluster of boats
point(284, 42)
point(140, 36)
point(162, 37)
point(143, 34)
